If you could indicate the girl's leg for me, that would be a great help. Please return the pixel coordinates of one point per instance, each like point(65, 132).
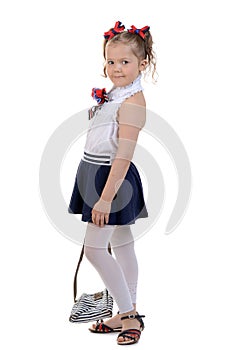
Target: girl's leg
point(96, 251)
point(122, 243)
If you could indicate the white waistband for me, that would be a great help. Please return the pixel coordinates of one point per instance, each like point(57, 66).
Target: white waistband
point(97, 158)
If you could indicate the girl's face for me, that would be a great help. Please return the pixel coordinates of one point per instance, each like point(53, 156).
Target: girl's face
point(122, 66)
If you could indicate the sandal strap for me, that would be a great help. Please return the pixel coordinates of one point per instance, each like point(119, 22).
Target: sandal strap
point(138, 317)
point(102, 327)
point(132, 334)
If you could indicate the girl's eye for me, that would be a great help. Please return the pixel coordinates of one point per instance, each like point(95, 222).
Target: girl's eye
point(110, 62)
point(124, 62)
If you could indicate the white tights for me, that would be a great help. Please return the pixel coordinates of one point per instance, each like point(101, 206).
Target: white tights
point(119, 274)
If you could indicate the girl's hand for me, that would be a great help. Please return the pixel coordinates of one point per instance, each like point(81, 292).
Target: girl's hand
point(101, 212)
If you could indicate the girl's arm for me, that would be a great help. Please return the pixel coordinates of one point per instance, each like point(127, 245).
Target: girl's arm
point(131, 119)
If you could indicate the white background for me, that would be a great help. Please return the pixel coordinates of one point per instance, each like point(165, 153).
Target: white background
point(50, 60)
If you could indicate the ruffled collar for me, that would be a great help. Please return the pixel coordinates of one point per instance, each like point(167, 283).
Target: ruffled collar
point(115, 95)
point(119, 94)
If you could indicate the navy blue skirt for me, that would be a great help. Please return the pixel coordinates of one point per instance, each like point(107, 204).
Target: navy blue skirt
point(127, 205)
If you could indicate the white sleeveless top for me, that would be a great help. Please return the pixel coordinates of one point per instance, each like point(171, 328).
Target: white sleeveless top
point(102, 136)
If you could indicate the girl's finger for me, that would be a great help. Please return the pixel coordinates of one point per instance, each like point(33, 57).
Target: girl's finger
point(97, 219)
point(106, 218)
point(102, 219)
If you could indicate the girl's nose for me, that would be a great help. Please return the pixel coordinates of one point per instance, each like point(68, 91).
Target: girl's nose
point(117, 67)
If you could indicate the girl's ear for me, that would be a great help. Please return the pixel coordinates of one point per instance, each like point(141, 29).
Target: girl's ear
point(143, 65)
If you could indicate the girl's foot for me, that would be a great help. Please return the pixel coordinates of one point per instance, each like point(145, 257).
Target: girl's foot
point(132, 325)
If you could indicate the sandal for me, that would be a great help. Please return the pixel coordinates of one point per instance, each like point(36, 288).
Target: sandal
point(132, 335)
point(102, 328)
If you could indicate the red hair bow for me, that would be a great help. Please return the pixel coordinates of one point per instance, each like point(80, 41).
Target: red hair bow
point(118, 28)
point(141, 32)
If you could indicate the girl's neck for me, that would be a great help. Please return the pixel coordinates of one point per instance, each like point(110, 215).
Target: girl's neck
point(119, 94)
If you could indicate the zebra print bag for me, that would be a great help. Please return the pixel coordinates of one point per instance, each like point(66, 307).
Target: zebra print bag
point(90, 307)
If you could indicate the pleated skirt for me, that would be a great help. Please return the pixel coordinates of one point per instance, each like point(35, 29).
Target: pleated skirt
point(128, 204)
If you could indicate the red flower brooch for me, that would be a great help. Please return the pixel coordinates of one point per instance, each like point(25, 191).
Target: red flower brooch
point(100, 95)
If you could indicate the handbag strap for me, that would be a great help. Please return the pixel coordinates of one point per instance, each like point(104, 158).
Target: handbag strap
point(77, 269)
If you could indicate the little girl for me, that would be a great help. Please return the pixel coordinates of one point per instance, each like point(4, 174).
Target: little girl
point(108, 190)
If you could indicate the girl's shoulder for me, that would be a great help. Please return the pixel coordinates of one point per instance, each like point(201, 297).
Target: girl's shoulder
point(133, 111)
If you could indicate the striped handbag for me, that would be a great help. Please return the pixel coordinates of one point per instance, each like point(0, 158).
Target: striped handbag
point(90, 307)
